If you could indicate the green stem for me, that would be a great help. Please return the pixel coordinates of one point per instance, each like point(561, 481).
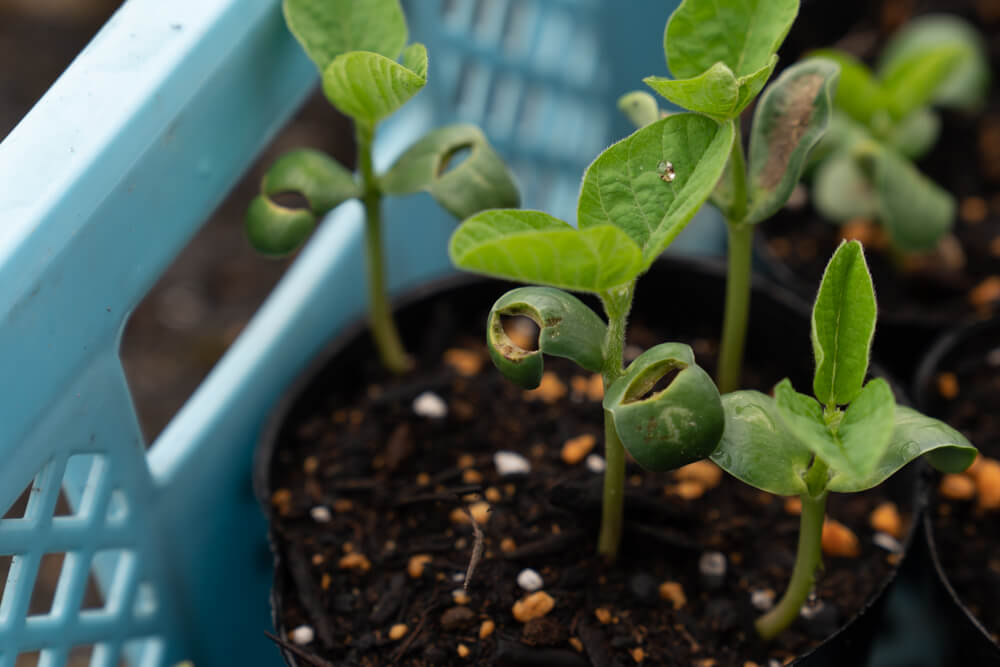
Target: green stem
point(737, 308)
point(616, 306)
point(384, 331)
point(807, 557)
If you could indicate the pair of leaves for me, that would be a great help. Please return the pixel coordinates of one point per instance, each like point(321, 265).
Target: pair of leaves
point(674, 426)
point(770, 443)
point(876, 182)
point(757, 448)
point(722, 52)
point(480, 182)
point(628, 212)
point(355, 45)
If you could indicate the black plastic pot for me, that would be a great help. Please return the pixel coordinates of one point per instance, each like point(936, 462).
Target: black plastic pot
point(968, 639)
point(678, 299)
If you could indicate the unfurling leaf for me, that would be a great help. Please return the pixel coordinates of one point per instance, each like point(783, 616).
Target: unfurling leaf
point(843, 325)
point(866, 427)
point(804, 419)
point(743, 35)
point(751, 84)
point(913, 435)
point(714, 92)
point(534, 247)
point(625, 187)
point(481, 181)
point(758, 449)
point(275, 229)
point(673, 426)
point(639, 107)
point(328, 28)
point(567, 328)
point(915, 210)
point(789, 120)
point(368, 86)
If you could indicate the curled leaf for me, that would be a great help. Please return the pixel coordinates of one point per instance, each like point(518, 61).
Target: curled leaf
point(758, 449)
point(321, 181)
point(639, 107)
point(567, 328)
point(913, 435)
point(714, 92)
point(481, 181)
point(792, 116)
point(674, 426)
point(369, 86)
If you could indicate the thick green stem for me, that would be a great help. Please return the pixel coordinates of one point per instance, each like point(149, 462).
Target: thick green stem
point(616, 305)
point(737, 308)
point(807, 557)
point(384, 331)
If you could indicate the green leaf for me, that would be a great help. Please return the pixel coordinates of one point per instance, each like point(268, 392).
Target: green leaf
point(914, 81)
point(866, 428)
point(567, 328)
point(622, 186)
point(916, 134)
point(743, 34)
point(843, 324)
point(913, 435)
point(714, 92)
point(414, 58)
point(481, 181)
point(803, 417)
point(673, 426)
point(968, 83)
point(639, 107)
point(859, 94)
point(752, 84)
point(274, 229)
point(368, 86)
point(915, 211)
point(842, 191)
point(756, 448)
point(329, 28)
point(792, 116)
point(534, 247)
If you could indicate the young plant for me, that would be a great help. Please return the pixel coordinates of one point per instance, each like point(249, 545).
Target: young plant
point(885, 119)
point(722, 53)
point(636, 197)
point(355, 45)
point(851, 437)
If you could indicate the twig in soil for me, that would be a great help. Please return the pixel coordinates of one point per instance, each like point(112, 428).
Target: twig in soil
point(477, 548)
point(311, 659)
point(405, 646)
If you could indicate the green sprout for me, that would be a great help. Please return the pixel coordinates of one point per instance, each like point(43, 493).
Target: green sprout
point(723, 53)
point(851, 437)
point(358, 47)
point(636, 198)
point(883, 120)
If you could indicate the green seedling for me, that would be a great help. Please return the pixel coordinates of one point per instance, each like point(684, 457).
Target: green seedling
point(723, 53)
point(636, 197)
point(885, 119)
point(851, 437)
point(369, 72)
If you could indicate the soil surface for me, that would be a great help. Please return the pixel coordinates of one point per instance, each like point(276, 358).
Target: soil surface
point(392, 485)
point(965, 392)
point(964, 161)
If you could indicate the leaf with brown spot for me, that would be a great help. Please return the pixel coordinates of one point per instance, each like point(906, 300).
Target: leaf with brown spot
point(789, 121)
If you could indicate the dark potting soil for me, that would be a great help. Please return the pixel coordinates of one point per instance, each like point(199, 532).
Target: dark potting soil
point(965, 161)
point(394, 483)
point(965, 392)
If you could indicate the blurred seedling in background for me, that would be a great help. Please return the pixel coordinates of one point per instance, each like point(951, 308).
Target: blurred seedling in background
point(369, 72)
point(884, 119)
point(723, 53)
point(849, 438)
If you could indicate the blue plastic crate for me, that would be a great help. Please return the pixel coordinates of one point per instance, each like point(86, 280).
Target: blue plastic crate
point(107, 179)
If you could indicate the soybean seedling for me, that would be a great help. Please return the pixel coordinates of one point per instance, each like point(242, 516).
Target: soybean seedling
point(355, 45)
point(883, 120)
point(631, 206)
point(723, 52)
point(851, 437)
